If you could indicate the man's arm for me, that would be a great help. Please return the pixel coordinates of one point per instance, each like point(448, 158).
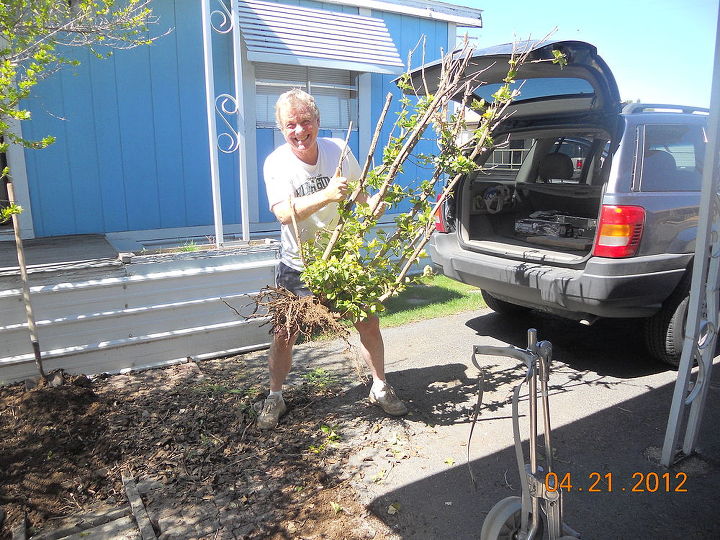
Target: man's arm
point(307, 205)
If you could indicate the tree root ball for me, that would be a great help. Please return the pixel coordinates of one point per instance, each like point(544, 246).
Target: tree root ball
point(303, 315)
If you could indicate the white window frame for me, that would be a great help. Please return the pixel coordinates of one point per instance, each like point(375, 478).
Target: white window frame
point(308, 85)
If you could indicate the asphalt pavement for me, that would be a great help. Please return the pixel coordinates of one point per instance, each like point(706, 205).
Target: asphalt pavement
point(609, 407)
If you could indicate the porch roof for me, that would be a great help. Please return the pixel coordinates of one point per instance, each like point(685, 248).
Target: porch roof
point(286, 34)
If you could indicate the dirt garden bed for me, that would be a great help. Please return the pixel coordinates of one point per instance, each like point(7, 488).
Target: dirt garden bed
point(187, 432)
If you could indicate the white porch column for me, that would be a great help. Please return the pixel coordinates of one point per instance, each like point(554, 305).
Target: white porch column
point(18, 172)
point(240, 108)
point(212, 127)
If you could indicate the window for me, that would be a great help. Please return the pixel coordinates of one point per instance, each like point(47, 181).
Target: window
point(576, 149)
point(335, 92)
point(672, 158)
point(509, 156)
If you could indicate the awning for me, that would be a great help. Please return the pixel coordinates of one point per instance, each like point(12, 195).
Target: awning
point(284, 34)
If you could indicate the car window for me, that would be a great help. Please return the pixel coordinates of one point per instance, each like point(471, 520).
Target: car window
point(672, 158)
point(540, 88)
point(509, 156)
point(577, 149)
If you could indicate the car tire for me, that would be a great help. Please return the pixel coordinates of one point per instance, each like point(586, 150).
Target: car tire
point(500, 306)
point(665, 331)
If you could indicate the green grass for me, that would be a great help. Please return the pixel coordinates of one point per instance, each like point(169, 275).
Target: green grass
point(189, 246)
point(434, 296)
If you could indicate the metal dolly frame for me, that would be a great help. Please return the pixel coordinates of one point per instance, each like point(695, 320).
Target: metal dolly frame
point(521, 517)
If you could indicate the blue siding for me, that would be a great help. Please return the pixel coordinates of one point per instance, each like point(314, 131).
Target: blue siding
point(49, 172)
point(193, 116)
point(166, 120)
point(137, 138)
point(406, 32)
point(131, 150)
point(81, 142)
point(107, 124)
point(265, 145)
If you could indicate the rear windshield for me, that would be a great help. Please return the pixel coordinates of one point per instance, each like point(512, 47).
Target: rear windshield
point(672, 158)
point(538, 88)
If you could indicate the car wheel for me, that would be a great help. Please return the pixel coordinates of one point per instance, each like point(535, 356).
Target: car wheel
point(665, 331)
point(500, 306)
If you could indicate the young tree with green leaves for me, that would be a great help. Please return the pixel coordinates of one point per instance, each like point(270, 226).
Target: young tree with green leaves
point(353, 268)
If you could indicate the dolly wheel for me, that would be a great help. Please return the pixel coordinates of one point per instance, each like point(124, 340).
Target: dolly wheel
point(504, 521)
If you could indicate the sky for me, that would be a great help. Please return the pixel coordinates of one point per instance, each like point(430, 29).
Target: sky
point(660, 51)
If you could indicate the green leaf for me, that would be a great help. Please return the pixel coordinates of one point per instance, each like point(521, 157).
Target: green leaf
point(393, 509)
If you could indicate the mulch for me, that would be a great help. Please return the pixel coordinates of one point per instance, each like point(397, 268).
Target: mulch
point(189, 428)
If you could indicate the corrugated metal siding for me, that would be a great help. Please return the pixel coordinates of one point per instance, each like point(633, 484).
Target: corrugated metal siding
point(284, 34)
point(153, 311)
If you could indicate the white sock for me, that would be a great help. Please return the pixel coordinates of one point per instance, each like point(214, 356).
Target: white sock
point(378, 388)
point(275, 395)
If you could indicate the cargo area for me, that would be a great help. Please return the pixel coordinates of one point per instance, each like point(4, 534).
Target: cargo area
point(536, 198)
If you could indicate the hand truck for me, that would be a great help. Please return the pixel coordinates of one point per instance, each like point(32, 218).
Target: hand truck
point(520, 517)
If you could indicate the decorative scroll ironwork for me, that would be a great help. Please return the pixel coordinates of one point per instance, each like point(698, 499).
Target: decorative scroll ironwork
point(221, 19)
point(228, 140)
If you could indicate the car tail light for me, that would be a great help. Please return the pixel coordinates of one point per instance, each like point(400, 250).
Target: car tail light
point(579, 164)
point(440, 218)
point(619, 232)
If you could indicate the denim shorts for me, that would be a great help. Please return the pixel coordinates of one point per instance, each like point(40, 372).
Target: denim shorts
point(289, 278)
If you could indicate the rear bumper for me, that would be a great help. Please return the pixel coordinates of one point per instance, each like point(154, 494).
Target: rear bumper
point(633, 287)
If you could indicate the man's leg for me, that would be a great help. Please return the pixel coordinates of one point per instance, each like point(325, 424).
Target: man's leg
point(372, 347)
point(372, 350)
point(279, 363)
point(280, 354)
point(280, 359)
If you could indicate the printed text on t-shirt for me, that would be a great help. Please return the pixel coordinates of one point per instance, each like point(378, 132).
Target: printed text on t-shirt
point(311, 185)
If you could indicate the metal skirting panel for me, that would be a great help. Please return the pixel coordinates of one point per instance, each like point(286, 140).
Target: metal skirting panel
point(157, 312)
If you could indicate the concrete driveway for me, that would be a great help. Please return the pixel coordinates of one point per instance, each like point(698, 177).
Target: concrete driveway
point(609, 406)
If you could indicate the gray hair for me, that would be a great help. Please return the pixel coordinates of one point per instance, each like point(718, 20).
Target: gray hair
point(294, 98)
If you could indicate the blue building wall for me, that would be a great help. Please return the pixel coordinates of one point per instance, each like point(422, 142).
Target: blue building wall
point(131, 150)
point(407, 32)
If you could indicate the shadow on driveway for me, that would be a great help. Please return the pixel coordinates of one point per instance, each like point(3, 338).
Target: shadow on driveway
point(610, 346)
point(623, 440)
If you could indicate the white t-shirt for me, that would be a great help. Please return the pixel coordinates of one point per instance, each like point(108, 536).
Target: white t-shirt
point(285, 174)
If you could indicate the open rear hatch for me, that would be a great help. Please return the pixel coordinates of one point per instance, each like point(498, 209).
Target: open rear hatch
point(538, 194)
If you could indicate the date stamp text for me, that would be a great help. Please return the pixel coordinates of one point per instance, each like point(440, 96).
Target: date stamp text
point(637, 482)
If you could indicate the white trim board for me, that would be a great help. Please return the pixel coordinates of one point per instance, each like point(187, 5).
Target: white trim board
point(425, 9)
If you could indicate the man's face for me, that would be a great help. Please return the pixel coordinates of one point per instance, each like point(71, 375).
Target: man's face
point(300, 128)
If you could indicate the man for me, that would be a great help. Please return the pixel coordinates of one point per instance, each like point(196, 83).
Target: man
point(300, 179)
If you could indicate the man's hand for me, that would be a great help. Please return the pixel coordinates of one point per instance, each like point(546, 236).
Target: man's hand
point(303, 207)
point(380, 210)
point(336, 190)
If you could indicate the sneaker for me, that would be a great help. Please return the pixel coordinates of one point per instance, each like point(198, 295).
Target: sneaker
point(389, 402)
point(270, 412)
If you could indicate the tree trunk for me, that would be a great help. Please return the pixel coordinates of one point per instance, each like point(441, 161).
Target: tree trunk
point(25, 284)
